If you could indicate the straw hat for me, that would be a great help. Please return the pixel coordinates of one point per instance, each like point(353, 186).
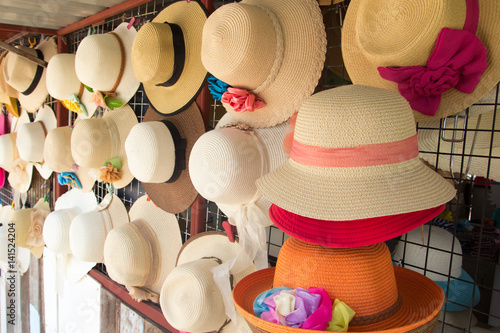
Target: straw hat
point(417, 256)
point(166, 56)
point(103, 62)
point(273, 49)
point(158, 151)
point(31, 139)
point(62, 83)
point(141, 254)
point(22, 257)
point(3, 130)
point(342, 137)
point(190, 299)
point(28, 78)
point(378, 35)
point(96, 141)
point(8, 95)
point(56, 232)
point(384, 297)
point(28, 224)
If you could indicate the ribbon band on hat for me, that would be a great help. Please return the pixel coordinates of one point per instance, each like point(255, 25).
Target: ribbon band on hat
point(37, 77)
point(180, 145)
point(122, 65)
point(179, 55)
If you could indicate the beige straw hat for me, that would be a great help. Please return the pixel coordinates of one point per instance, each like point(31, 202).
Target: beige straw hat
point(158, 151)
point(63, 84)
point(28, 78)
point(142, 253)
point(8, 95)
point(28, 224)
point(31, 139)
point(190, 299)
point(22, 256)
point(378, 33)
point(273, 49)
point(354, 156)
point(103, 62)
point(88, 231)
point(166, 56)
point(95, 141)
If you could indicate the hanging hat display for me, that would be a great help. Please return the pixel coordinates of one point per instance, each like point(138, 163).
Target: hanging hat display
point(8, 95)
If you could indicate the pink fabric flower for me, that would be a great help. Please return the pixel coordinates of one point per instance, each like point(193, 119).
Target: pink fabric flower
point(242, 100)
point(98, 99)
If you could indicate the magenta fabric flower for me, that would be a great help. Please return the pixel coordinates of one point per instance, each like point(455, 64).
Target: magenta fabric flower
point(242, 100)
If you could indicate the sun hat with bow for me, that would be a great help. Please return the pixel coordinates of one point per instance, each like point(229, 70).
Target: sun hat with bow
point(103, 63)
point(440, 55)
point(190, 297)
point(429, 250)
point(63, 84)
point(28, 78)
point(354, 156)
point(158, 152)
point(142, 253)
point(22, 256)
point(31, 139)
point(270, 53)
point(385, 298)
point(166, 56)
point(99, 143)
point(8, 95)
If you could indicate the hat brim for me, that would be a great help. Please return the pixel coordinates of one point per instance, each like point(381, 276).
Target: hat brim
point(363, 72)
point(76, 200)
point(303, 60)
point(190, 17)
point(419, 311)
point(177, 196)
point(460, 292)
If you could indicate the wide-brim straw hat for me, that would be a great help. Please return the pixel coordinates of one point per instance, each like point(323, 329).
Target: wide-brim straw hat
point(100, 59)
point(440, 254)
point(274, 49)
point(396, 38)
point(386, 298)
point(204, 309)
point(88, 231)
point(31, 139)
point(226, 162)
point(8, 95)
point(95, 141)
point(22, 255)
point(62, 82)
point(142, 253)
point(340, 169)
point(152, 157)
point(28, 78)
point(168, 60)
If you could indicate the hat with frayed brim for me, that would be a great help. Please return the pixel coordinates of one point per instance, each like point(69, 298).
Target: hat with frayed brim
point(273, 49)
point(385, 298)
point(28, 78)
point(8, 95)
point(354, 155)
point(375, 34)
point(158, 151)
point(96, 141)
point(166, 56)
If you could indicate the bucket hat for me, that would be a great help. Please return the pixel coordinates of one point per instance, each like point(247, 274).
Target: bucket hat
point(158, 152)
point(269, 77)
point(100, 144)
point(203, 310)
point(28, 78)
point(339, 158)
point(63, 84)
point(22, 256)
point(8, 95)
point(31, 139)
point(88, 231)
point(385, 298)
point(166, 56)
point(434, 254)
point(142, 253)
point(441, 69)
point(103, 62)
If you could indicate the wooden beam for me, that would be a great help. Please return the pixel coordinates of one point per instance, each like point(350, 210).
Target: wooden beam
point(30, 57)
point(17, 36)
point(22, 28)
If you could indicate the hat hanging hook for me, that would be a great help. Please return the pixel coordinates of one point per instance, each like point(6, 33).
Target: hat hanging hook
point(32, 43)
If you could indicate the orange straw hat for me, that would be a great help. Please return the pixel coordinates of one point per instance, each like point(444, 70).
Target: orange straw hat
point(386, 298)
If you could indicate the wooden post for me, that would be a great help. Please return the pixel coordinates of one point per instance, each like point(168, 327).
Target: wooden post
point(22, 53)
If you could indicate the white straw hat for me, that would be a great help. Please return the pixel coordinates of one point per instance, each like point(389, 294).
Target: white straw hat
point(28, 78)
point(103, 62)
point(141, 254)
point(31, 139)
point(273, 49)
point(8, 95)
point(88, 231)
point(166, 56)
point(22, 257)
point(62, 83)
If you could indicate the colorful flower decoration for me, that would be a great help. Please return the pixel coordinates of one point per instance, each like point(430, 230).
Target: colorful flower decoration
point(109, 173)
point(69, 178)
point(103, 99)
point(73, 103)
point(242, 100)
point(341, 317)
point(217, 87)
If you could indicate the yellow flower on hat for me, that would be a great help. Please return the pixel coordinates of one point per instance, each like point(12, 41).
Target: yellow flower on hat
point(73, 103)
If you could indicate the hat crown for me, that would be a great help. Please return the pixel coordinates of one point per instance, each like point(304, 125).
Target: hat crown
point(19, 71)
point(57, 149)
point(87, 235)
point(239, 45)
point(8, 149)
point(92, 142)
point(30, 141)
point(56, 230)
point(61, 76)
